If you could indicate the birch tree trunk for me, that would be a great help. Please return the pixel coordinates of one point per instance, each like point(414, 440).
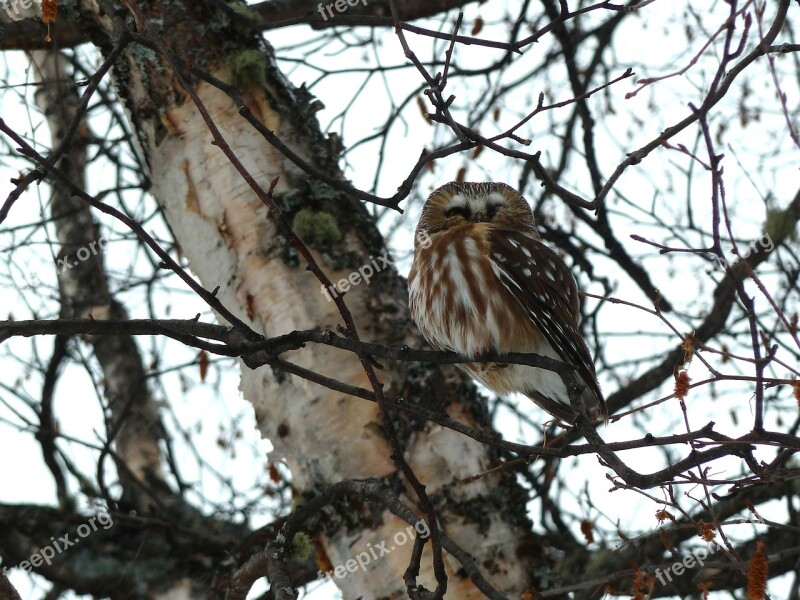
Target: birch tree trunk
point(232, 243)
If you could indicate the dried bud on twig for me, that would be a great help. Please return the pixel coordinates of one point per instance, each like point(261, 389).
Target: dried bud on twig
point(704, 587)
point(642, 585)
point(49, 11)
point(706, 530)
point(662, 515)
point(689, 347)
point(681, 384)
point(586, 530)
point(757, 574)
point(476, 28)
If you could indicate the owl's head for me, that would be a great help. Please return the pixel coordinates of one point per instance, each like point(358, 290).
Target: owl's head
point(458, 203)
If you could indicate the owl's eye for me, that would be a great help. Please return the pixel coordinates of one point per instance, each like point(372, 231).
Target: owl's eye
point(491, 211)
point(458, 210)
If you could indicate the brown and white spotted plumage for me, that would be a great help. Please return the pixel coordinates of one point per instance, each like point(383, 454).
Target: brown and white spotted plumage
point(483, 281)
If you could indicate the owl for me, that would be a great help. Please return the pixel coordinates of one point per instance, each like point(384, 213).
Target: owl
point(483, 281)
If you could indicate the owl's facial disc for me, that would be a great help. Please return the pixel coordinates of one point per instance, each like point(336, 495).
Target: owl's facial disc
point(477, 209)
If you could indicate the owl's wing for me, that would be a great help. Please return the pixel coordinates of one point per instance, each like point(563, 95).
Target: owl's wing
point(542, 283)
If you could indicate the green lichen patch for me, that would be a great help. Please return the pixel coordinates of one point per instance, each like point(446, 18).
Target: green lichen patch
point(245, 11)
point(302, 547)
point(247, 69)
point(316, 228)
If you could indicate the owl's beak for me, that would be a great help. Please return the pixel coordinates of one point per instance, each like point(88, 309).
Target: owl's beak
point(479, 217)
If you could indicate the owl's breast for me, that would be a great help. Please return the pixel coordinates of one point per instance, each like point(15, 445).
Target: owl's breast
point(457, 301)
